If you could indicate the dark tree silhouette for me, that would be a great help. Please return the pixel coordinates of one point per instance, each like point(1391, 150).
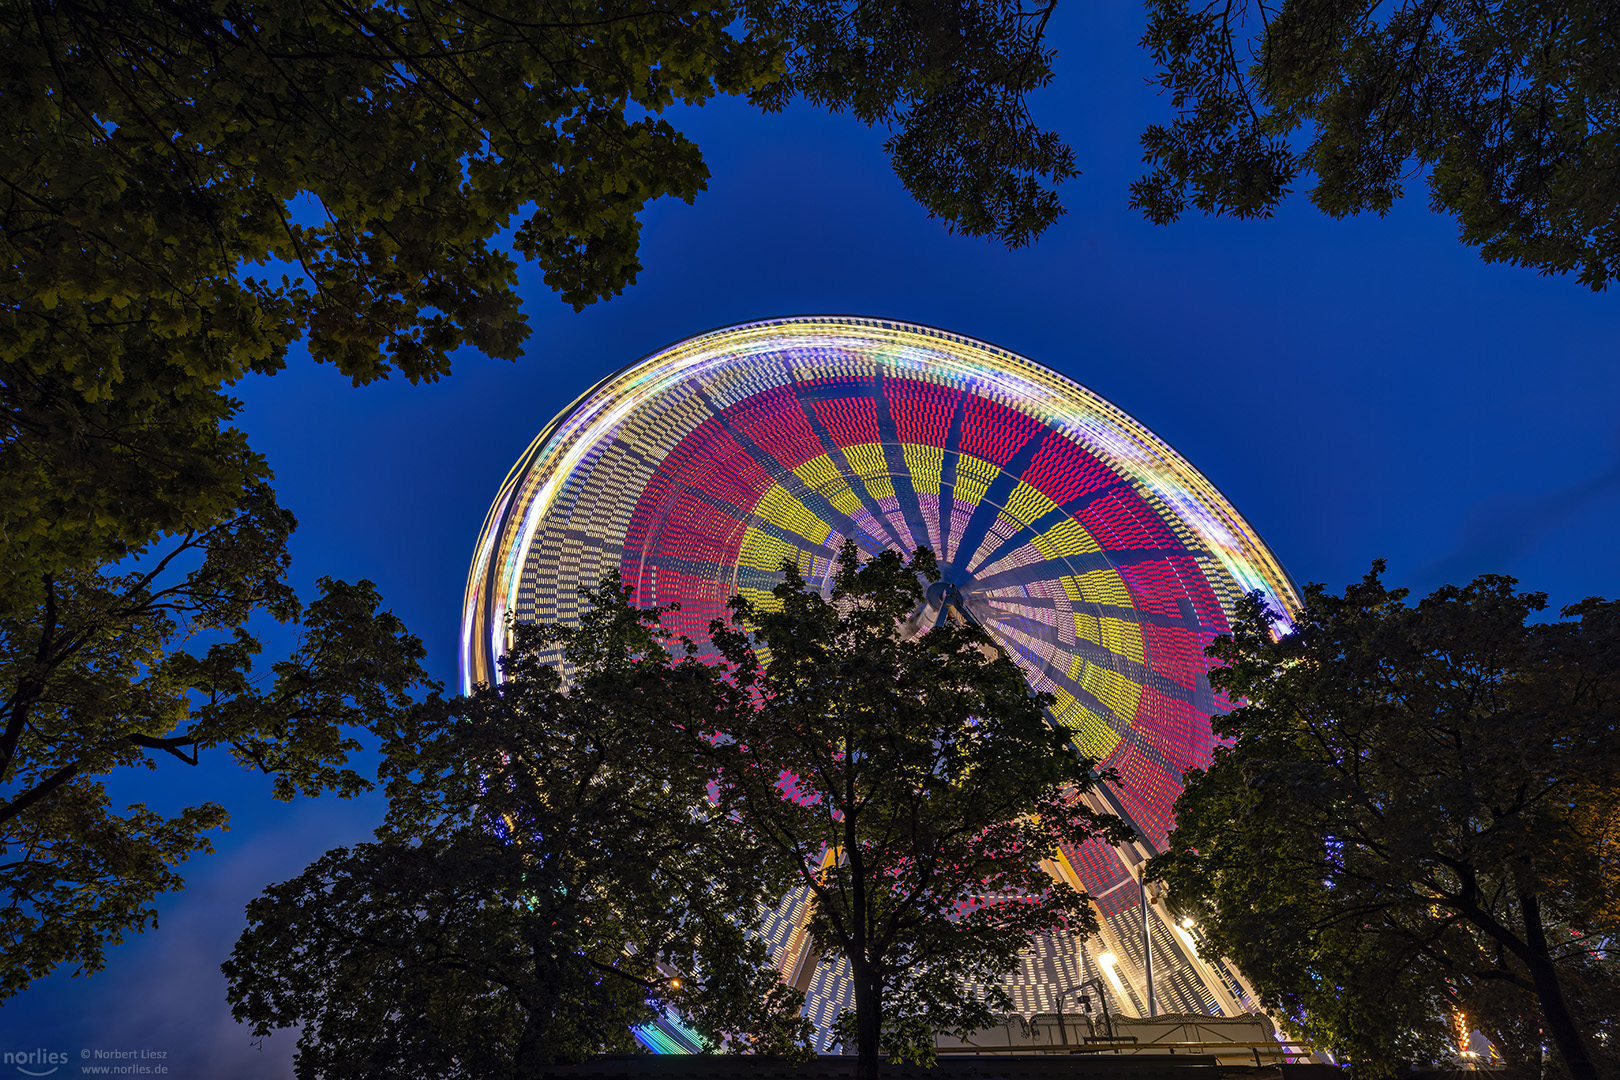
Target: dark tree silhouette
point(551, 872)
point(912, 784)
point(1508, 111)
point(1414, 822)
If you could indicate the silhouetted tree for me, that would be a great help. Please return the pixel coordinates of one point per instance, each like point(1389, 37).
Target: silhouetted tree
point(120, 667)
point(1507, 110)
point(552, 871)
point(1412, 827)
point(911, 783)
point(192, 188)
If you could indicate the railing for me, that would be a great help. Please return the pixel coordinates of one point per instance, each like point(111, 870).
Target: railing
point(1264, 1052)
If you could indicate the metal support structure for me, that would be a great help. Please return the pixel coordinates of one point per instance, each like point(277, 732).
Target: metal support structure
point(1181, 952)
point(1147, 948)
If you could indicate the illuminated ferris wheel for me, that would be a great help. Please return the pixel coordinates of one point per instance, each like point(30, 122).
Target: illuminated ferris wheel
point(1092, 552)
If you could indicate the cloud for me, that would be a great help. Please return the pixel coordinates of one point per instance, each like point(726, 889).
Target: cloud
point(162, 991)
point(1502, 529)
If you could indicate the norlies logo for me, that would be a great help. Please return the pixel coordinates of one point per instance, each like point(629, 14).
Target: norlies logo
point(35, 1062)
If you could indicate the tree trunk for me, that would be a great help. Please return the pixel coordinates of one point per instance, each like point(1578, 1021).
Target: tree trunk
point(531, 1048)
point(866, 976)
point(531, 1054)
point(1554, 1009)
point(868, 1018)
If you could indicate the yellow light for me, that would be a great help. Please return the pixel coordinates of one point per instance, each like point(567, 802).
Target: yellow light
point(1109, 961)
point(675, 984)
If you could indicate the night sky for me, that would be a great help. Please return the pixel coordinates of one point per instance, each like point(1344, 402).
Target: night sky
point(1358, 389)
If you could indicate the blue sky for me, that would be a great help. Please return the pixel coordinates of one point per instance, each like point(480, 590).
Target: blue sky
point(1358, 389)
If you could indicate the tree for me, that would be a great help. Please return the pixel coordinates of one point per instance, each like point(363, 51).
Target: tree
point(911, 784)
point(954, 78)
point(192, 188)
point(1508, 110)
point(189, 190)
point(551, 872)
point(1406, 829)
point(119, 664)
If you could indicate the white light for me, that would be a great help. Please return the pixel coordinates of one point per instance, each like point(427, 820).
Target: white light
point(1188, 923)
point(1108, 961)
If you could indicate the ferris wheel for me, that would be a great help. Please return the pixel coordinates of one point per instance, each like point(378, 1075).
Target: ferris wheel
point(1093, 553)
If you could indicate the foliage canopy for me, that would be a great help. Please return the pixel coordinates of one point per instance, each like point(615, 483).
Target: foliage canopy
point(551, 872)
point(118, 666)
point(1414, 822)
point(1510, 110)
point(911, 783)
point(191, 189)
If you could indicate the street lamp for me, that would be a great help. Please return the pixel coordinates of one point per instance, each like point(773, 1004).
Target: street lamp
point(1085, 999)
point(1063, 1031)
